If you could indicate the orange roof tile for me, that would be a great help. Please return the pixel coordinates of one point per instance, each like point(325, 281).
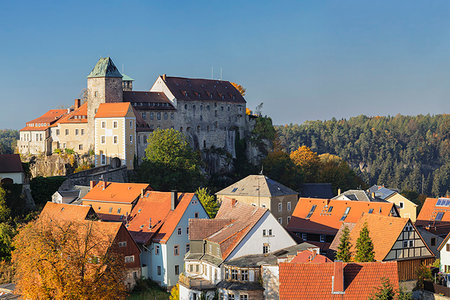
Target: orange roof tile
point(326, 218)
point(308, 256)
point(116, 192)
point(315, 281)
point(67, 211)
point(429, 211)
point(155, 207)
point(44, 121)
point(112, 110)
point(78, 115)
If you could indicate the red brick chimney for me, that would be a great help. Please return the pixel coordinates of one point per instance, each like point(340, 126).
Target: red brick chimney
point(338, 278)
point(77, 103)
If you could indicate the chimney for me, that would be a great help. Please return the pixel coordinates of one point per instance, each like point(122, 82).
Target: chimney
point(93, 183)
point(150, 223)
point(142, 193)
point(164, 77)
point(77, 103)
point(173, 200)
point(373, 195)
point(338, 278)
point(339, 191)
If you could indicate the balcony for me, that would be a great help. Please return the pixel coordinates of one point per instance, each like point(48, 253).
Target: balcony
point(198, 284)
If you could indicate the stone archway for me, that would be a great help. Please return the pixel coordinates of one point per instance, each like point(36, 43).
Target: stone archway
point(7, 180)
point(116, 162)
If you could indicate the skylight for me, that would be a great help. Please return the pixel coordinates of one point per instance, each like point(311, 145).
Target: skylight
point(330, 209)
point(313, 208)
point(347, 210)
point(370, 210)
point(439, 216)
point(234, 190)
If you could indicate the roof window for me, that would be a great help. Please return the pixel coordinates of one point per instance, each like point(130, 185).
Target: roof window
point(234, 190)
point(439, 216)
point(313, 208)
point(370, 210)
point(347, 210)
point(330, 209)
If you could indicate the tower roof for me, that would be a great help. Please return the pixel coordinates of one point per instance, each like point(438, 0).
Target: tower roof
point(126, 78)
point(105, 68)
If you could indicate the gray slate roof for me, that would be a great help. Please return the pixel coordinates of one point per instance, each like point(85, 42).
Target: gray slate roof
point(357, 195)
point(105, 68)
point(316, 190)
point(256, 260)
point(381, 192)
point(257, 185)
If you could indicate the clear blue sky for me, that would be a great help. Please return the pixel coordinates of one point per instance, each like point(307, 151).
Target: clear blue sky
point(305, 60)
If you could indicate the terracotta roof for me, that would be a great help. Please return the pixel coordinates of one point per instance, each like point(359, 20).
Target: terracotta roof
point(78, 115)
point(44, 121)
point(429, 212)
point(10, 163)
point(241, 217)
point(308, 256)
point(155, 207)
point(116, 192)
point(315, 281)
point(324, 221)
point(337, 238)
point(113, 110)
point(145, 100)
point(444, 242)
point(67, 211)
point(202, 228)
point(203, 89)
point(257, 185)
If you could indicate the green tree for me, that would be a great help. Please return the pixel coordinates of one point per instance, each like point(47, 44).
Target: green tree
point(208, 201)
point(364, 246)
point(175, 293)
point(278, 166)
point(5, 212)
point(344, 253)
point(170, 163)
point(384, 292)
point(7, 234)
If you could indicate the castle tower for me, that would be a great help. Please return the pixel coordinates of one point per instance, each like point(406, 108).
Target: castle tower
point(104, 86)
point(127, 83)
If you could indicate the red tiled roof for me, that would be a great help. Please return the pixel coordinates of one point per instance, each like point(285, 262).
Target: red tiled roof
point(116, 192)
point(78, 115)
point(429, 212)
point(240, 217)
point(10, 163)
point(156, 207)
point(324, 222)
point(113, 110)
point(308, 256)
point(44, 121)
point(68, 212)
point(315, 281)
point(203, 89)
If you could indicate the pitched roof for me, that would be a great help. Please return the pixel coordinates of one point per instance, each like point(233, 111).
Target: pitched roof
point(384, 232)
point(146, 100)
point(126, 78)
point(444, 242)
point(257, 185)
point(308, 256)
point(327, 216)
point(315, 281)
point(104, 68)
point(202, 228)
point(242, 218)
point(434, 212)
point(152, 217)
point(113, 110)
point(116, 192)
point(78, 115)
point(10, 163)
point(337, 238)
point(203, 89)
point(355, 195)
point(316, 190)
point(44, 121)
point(381, 192)
point(68, 212)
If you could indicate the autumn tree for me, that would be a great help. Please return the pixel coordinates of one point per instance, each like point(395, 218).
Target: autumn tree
point(57, 259)
point(343, 252)
point(278, 166)
point(364, 246)
point(308, 161)
point(208, 201)
point(240, 88)
point(175, 293)
point(336, 171)
point(170, 163)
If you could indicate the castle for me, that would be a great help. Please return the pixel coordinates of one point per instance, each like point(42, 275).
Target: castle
point(115, 121)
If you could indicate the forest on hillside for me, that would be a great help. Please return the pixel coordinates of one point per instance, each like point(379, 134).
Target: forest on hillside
point(409, 153)
point(8, 140)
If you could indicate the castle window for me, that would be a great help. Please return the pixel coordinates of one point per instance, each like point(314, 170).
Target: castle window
point(204, 144)
point(221, 108)
point(82, 131)
point(131, 139)
point(185, 106)
point(95, 94)
point(166, 115)
point(172, 116)
point(103, 124)
point(207, 107)
point(198, 128)
point(201, 118)
point(115, 139)
point(76, 131)
point(115, 124)
point(144, 115)
point(67, 131)
point(102, 139)
point(57, 131)
point(80, 147)
point(181, 129)
point(201, 107)
point(151, 116)
point(158, 115)
point(193, 107)
point(131, 124)
point(228, 108)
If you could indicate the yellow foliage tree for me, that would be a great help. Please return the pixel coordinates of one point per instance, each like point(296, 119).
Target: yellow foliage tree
point(67, 260)
point(327, 157)
point(175, 293)
point(240, 88)
point(308, 161)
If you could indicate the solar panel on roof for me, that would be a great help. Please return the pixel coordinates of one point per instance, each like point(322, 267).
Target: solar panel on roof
point(444, 202)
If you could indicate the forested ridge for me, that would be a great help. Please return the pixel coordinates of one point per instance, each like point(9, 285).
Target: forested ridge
point(8, 140)
point(409, 153)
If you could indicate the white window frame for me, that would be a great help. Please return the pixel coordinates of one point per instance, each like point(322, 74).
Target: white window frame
point(280, 207)
point(288, 206)
point(129, 259)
